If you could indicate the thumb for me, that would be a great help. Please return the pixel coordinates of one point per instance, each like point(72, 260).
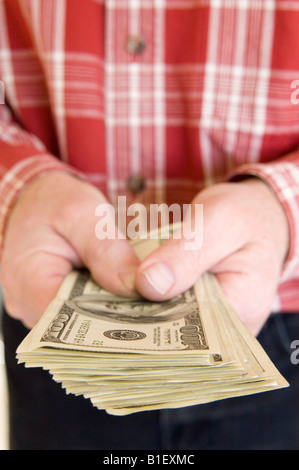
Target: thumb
point(176, 265)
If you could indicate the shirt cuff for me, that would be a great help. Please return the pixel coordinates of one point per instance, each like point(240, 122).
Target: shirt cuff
point(19, 176)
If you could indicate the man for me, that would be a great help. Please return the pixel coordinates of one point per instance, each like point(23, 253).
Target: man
point(162, 101)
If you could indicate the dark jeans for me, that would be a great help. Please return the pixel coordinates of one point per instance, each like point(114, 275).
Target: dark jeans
point(43, 417)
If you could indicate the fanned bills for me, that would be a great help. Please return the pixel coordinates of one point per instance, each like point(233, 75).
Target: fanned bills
point(136, 355)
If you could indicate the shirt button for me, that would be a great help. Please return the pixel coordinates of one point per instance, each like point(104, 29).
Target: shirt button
point(135, 45)
point(136, 183)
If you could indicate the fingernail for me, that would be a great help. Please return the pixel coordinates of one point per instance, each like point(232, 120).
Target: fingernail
point(160, 277)
point(128, 279)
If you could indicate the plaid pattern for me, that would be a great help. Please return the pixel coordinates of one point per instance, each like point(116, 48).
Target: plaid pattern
point(208, 99)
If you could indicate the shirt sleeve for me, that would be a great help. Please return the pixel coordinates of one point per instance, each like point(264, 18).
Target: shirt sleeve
point(22, 159)
point(282, 175)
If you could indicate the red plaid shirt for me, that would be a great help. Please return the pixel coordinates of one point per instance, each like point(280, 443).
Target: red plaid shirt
point(182, 92)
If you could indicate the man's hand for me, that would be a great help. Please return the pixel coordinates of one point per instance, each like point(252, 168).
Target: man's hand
point(245, 243)
point(51, 229)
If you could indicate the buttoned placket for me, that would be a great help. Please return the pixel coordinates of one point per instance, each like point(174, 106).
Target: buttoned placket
point(135, 146)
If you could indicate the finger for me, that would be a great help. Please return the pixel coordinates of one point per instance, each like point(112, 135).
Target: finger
point(111, 259)
point(113, 264)
point(31, 294)
point(176, 265)
point(249, 285)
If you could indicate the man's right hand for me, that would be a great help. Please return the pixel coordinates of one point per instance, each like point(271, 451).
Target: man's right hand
point(50, 231)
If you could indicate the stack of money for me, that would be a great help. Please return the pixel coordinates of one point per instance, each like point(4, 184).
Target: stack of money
point(130, 355)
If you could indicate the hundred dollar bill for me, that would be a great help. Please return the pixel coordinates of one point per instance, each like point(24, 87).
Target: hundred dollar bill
point(129, 355)
point(85, 317)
